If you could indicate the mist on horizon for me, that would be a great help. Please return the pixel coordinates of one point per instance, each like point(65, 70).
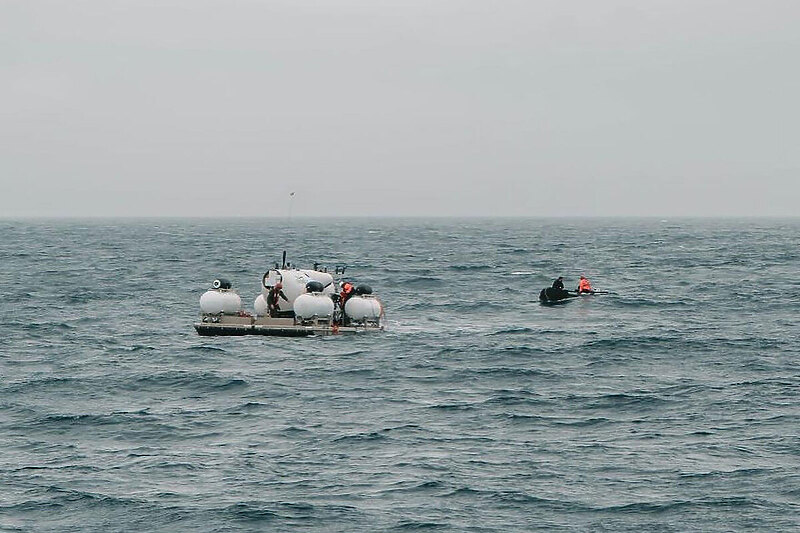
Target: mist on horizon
point(536, 109)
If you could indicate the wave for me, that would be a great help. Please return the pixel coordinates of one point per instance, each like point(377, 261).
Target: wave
point(87, 297)
point(520, 351)
point(43, 383)
point(583, 422)
point(512, 330)
point(519, 417)
point(419, 525)
point(136, 348)
point(466, 491)
point(505, 371)
point(206, 349)
point(620, 400)
point(353, 353)
point(175, 466)
point(361, 437)
point(635, 302)
point(658, 507)
point(422, 283)
point(644, 341)
point(61, 498)
point(294, 430)
point(412, 487)
point(468, 268)
point(248, 407)
point(285, 514)
point(456, 306)
point(453, 406)
point(404, 427)
point(506, 497)
point(740, 472)
point(61, 420)
point(518, 497)
point(504, 352)
point(190, 380)
point(510, 398)
point(84, 469)
point(47, 326)
point(251, 512)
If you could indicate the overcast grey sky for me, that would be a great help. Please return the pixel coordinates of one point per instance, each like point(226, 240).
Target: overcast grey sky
point(405, 107)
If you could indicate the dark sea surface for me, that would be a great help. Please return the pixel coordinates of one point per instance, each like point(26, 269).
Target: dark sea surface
point(671, 405)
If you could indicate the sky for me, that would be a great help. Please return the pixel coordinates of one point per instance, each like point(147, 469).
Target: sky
point(399, 108)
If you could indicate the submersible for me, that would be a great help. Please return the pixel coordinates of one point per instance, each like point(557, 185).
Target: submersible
point(308, 303)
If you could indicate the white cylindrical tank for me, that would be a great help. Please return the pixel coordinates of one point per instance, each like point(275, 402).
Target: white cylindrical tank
point(215, 302)
point(313, 304)
point(323, 277)
point(365, 307)
point(260, 306)
point(212, 302)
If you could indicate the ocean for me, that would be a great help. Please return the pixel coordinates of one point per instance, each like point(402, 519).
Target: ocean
point(672, 404)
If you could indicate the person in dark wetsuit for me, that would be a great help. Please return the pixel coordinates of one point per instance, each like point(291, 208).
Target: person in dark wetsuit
point(557, 291)
point(275, 293)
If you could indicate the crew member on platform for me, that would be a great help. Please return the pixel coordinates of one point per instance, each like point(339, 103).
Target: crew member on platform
point(347, 292)
point(275, 293)
point(584, 286)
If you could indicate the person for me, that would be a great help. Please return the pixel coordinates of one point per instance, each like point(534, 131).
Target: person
point(273, 296)
point(559, 283)
point(347, 292)
point(584, 286)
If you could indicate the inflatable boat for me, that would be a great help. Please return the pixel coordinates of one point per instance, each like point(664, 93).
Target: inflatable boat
point(551, 295)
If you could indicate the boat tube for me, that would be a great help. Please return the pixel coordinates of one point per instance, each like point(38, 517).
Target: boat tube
point(553, 295)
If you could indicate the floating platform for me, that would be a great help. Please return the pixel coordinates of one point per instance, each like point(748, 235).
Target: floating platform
point(235, 325)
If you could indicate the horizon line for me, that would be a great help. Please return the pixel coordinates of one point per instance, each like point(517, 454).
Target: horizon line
point(387, 217)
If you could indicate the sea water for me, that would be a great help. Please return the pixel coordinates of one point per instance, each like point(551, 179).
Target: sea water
point(672, 404)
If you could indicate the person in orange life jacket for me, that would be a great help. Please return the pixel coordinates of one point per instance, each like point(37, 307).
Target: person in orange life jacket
point(347, 292)
point(273, 296)
point(584, 286)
